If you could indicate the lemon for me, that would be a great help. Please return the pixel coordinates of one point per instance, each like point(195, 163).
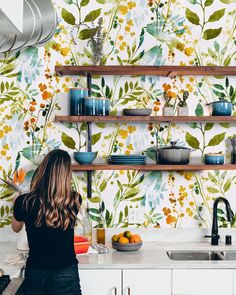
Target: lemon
point(115, 238)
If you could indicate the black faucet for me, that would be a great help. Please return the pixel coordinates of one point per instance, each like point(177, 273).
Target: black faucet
point(214, 233)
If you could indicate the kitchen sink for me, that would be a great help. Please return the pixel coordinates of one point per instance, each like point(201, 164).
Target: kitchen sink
point(195, 255)
point(228, 255)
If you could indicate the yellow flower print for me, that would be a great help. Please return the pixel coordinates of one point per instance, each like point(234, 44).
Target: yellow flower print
point(121, 144)
point(123, 9)
point(170, 219)
point(189, 51)
point(130, 23)
point(1, 168)
point(123, 133)
point(6, 147)
point(121, 172)
point(7, 129)
point(127, 28)
point(121, 20)
point(65, 51)
point(130, 147)
point(3, 153)
point(120, 38)
point(127, 152)
point(131, 129)
point(191, 203)
point(1, 134)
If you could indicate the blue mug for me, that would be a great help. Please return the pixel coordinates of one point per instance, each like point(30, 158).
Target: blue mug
point(77, 97)
point(89, 104)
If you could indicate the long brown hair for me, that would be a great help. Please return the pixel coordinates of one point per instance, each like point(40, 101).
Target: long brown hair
point(52, 185)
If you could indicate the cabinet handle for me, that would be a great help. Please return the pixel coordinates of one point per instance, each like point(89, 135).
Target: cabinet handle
point(129, 291)
point(115, 289)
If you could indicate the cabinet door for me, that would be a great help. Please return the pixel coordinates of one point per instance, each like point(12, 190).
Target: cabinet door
point(234, 282)
point(150, 282)
point(100, 282)
point(202, 282)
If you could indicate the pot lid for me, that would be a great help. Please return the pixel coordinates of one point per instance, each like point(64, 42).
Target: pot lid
point(173, 146)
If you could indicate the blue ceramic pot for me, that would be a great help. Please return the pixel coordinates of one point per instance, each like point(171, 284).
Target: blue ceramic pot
point(90, 106)
point(76, 97)
point(222, 108)
point(85, 157)
point(214, 159)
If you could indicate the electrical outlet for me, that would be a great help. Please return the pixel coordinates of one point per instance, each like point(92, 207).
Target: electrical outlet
point(136, 215)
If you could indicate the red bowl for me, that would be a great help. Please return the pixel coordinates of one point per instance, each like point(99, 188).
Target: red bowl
point(80, 239)
point(81, 247)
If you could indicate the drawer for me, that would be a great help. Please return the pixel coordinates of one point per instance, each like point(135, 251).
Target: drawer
point(202, 282)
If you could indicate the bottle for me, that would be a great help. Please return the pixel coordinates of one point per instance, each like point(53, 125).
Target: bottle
point(87, 225)
point(101, 228)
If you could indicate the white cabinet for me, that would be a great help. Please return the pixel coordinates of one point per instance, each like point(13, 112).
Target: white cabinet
point(202, 282)
point(100, 282)
point(150, 282)
point(234, 282)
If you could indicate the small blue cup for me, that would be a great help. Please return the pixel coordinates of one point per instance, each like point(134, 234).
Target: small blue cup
point(214, 159)
point(77, 96)
point(222, 108)
point(90, 107)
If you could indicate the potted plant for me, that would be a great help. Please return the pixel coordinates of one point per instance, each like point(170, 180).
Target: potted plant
point(182, 104)
point(168, 109)
point(96, 43)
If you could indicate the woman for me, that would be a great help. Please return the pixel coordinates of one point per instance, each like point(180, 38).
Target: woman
point(49, 212)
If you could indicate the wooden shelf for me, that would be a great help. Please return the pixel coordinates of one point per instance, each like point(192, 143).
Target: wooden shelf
point(167, 71)
point(153, 167)
point(183, 119)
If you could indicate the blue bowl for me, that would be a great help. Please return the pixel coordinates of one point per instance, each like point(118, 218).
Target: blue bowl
point(214, 159)
point(222, 108)
point(85, 157)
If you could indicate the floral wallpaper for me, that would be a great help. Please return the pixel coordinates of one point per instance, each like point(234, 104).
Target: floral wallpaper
point(142, 32)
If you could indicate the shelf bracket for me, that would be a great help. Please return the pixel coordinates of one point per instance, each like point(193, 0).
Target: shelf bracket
point(89, 138)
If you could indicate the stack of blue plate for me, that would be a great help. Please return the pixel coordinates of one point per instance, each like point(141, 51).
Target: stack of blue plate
point(126, 160)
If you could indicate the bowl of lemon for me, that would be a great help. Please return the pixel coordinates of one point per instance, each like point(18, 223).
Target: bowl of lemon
point(126, 242)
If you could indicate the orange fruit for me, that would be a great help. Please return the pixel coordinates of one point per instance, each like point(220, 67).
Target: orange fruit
point(120, 235)
point(123, 240)
point(135, 239)
point(127, 234)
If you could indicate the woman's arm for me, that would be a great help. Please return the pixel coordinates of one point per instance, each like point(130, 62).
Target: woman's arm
point(16, 225)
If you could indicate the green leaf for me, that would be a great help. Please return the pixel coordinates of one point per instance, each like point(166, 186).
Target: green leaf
point(84, 2)
point(192, 17)
point(212, 178)
point(87, 33)
point(211, 33)
point(68, 17)
point(101, 1)
point(68, 141)
point(217, 139)
point(217, 15)
point(225, 1)
point(218, 86)
point(208, 126)
point(227, 185)
point(217, 46)
point(212, 190)
point(199, 110)
point(192, 141)
point(225, 125)
point(92, 15)
point(103, 185)
point(227, 60)
point(96, 137)
point(95, 200)
point(68, 1)
point(209, 2)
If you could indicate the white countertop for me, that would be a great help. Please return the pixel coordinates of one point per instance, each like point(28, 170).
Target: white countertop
point(151, 255)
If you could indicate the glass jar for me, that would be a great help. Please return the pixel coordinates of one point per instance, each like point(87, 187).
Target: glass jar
point(101, 233)
point(77, 96)
point(87, 225)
